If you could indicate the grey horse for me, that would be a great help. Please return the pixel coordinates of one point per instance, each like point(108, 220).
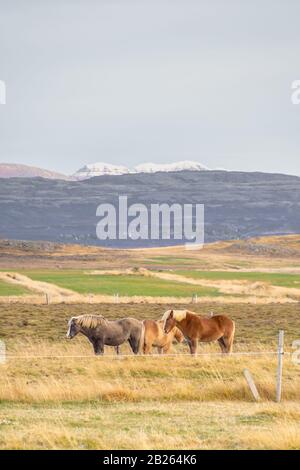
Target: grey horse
point(100, 332)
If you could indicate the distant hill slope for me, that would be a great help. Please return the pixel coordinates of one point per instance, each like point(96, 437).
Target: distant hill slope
point(237, 204)
point(14, 170)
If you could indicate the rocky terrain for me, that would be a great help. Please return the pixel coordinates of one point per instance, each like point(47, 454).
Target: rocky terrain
point(237, 205)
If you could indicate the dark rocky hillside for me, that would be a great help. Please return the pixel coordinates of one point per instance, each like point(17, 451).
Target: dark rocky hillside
point(237, 205)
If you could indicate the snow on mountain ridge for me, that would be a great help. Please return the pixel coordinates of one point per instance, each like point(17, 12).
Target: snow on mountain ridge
point(101, 168)
point(176, 166)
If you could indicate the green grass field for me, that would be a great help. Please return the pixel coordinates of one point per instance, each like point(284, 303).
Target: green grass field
point(276, 279)
point(125, 285)
point(138, 285)
point(10, 289)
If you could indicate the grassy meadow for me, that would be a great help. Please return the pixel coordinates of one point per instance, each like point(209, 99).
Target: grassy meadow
point(274, 279)
point(126, 285)
point(56, 394)
point(145, 403)
point(85, 282)
point(7, 289)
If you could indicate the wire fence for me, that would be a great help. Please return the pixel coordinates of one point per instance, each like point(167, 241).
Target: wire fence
point(144, 356)
point(279, 353)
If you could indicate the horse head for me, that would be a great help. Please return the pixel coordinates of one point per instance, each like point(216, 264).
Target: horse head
point(169, 321)
point(172, 317)
point(73, 328)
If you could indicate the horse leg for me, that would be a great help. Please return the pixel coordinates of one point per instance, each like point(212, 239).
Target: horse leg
point(228, 338)
point(98, 346)
point(134, 344)
point(166, 348)
point(147, 348)
point(228, 341)
point(222, 344)
point(193, 344)
point(117, 349)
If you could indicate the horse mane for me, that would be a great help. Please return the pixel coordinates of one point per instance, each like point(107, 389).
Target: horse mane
point(177, 314)
point(89, 321)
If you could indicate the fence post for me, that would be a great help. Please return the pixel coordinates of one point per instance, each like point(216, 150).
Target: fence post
point(280, 365)
point(47, 299)
point(251, 384)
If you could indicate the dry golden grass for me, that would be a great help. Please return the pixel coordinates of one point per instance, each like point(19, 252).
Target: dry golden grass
point(55, 402)
point(146, 425)
point(143, 402)
point(177, 402)
point(257, 324)
point(273, 253)
point(50, 372)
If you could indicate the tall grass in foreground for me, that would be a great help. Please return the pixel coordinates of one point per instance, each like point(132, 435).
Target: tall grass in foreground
point(49, 401)
point(49, 372)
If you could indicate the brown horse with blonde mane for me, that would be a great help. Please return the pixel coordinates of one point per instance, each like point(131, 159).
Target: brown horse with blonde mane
point(154, 336)
point(195, 328)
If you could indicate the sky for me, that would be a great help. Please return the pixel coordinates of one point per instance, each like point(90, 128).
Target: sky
point(134, 81)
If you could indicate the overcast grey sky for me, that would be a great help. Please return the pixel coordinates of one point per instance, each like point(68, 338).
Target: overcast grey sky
point(126, 82)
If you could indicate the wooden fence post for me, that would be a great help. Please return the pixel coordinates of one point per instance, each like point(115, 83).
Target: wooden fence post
point(251, 384)
point(280, 365)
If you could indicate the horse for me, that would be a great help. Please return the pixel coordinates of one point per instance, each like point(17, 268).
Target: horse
point(154, 335)
point(195, 328)
point(101, 331)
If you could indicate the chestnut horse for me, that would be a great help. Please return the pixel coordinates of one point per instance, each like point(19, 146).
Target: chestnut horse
point(154, 335)
point(195, 328)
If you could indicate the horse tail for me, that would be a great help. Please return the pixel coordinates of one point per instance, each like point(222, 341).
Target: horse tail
point(142, 339)
point(231, 337)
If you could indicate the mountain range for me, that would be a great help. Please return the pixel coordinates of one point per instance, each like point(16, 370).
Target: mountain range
point(237, 204)
point(11, 170)
point(99, 169)
point(15, 170)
